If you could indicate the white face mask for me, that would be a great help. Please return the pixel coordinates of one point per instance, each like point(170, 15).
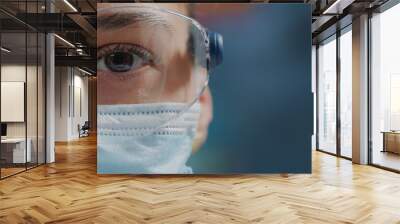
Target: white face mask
point(128, 143)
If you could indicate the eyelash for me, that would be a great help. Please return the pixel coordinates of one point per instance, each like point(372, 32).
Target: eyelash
point(129, 48)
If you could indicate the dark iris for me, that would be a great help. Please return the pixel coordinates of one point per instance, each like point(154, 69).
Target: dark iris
point(119, 61)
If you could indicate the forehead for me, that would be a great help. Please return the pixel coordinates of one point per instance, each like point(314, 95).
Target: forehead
point(118, 15)
point(145, 24)
point(181, 8)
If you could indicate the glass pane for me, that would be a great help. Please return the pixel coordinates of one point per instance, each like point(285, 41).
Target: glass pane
point(314, 90)
point(386, 89)
point(41, 98)
point(13, 87)
point(31, 98)
point(32, 87)
point(22, 89)
point(327, 96)
point(346, 93)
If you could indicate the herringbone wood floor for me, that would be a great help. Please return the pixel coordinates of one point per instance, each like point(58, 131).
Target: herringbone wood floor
point(70, 191)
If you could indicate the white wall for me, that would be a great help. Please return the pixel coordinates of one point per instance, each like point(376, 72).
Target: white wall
point(80, 89)
point(70, 83)
point(9, 73)
point(61, 103)
point(16, 72)
point(33, 126)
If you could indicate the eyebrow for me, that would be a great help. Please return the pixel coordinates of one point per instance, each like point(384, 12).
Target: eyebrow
point(122, 19)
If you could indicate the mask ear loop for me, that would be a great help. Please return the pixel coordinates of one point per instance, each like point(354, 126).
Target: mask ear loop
point(214, 56)
point(205, 85)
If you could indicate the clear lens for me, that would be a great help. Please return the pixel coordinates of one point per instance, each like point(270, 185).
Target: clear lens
point(149, 55)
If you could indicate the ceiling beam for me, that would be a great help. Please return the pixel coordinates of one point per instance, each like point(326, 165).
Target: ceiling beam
point(78, 61)
point(90, 31)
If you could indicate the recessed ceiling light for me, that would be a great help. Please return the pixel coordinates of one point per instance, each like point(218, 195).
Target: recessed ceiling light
point(84, 71)
point(70, 5)
point(65, 41)
point(337, 7)
point(5, 50)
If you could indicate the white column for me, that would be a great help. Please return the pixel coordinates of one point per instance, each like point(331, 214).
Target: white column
point(360, 90)
point(50, 98)
point(50, 92)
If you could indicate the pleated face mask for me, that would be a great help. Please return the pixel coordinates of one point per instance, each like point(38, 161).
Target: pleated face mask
point(128, 142)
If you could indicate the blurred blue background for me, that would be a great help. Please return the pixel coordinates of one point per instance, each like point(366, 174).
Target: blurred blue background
point(263, 106)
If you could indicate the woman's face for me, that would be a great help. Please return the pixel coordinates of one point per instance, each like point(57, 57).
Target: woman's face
point(144, 55)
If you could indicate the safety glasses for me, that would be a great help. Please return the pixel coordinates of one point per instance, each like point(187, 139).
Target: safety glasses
point(148, 54)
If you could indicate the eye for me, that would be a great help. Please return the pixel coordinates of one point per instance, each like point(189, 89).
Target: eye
point(122, 61)
point(120, 58)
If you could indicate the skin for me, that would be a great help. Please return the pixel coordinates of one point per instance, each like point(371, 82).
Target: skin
point(169, 80)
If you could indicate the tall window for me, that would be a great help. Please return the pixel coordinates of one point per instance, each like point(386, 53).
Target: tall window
point(385, 87)
point(327, 96)
point(346, 92)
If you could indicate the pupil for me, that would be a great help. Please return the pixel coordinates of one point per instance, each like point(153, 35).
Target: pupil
point(119, 62)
